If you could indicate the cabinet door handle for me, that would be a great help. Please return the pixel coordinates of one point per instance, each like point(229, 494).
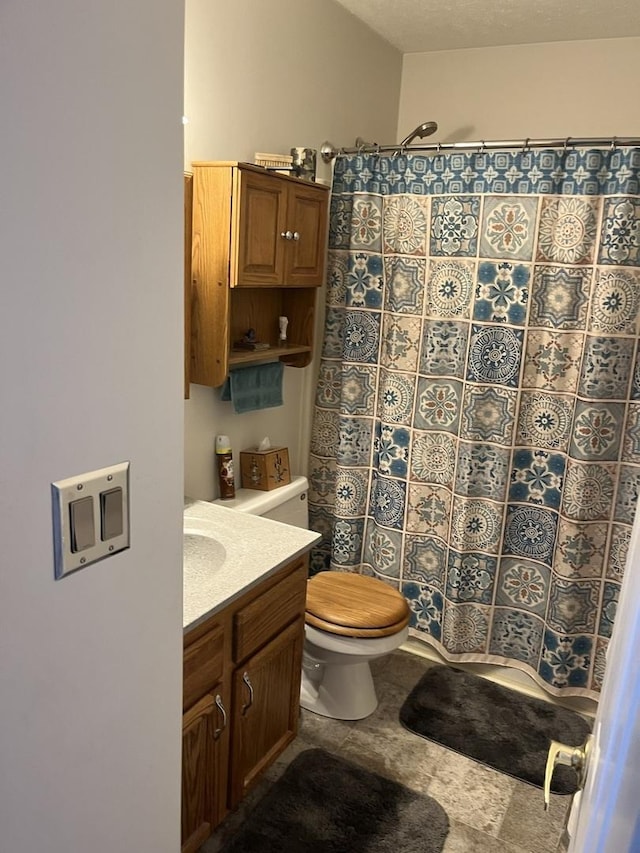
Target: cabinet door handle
point(248, 704)
point(219, 731)
point(296, 235)
point(287, 235)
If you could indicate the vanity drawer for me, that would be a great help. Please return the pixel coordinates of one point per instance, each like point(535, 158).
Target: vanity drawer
point(267, 615)
point(203, 665)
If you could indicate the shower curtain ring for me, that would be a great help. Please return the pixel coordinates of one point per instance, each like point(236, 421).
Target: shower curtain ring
point(614, 143)
point(482, 146)
point(525, 147)
point(439, 147)
point(566, 144)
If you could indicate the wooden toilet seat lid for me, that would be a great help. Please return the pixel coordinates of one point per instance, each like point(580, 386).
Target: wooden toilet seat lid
point(354, 605)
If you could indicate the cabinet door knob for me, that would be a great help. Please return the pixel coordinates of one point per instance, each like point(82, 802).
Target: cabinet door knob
point(219, 730)
point(287, 235)
point(248, 704)
point(296, 235)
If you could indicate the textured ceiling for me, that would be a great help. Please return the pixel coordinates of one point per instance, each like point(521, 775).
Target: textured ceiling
point(415, 26)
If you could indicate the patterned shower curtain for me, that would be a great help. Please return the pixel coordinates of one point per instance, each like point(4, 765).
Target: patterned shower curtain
point(476, 436)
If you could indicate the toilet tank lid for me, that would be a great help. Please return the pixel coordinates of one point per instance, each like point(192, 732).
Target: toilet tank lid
point(257, 503)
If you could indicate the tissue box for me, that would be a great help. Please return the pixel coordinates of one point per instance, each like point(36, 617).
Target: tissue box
point(264, 469)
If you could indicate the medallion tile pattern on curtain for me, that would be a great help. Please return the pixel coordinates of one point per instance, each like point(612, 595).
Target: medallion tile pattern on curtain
point(476, 436)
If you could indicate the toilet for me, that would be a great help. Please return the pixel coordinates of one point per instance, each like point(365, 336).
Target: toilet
point(350, 619)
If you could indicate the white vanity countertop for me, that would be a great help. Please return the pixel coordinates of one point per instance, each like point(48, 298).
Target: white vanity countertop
point(243, 550)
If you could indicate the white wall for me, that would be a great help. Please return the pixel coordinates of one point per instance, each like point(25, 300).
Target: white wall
point(90, 352)
point(267, 77)
point(560, 89)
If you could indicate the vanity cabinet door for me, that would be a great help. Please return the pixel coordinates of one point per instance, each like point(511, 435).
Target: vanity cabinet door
point(204, 759)
point(266, 699)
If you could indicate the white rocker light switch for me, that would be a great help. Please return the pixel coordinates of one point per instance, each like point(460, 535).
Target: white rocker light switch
point(83, 532)
point(111, 513)
point(90, 517)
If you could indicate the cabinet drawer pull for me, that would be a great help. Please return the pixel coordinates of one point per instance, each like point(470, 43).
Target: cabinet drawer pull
point(296, 235)
point(248, 704)
point(219, 731)
point(287, 235)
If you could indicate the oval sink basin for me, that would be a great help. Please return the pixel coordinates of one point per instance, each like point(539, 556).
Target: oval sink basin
point(203, 550)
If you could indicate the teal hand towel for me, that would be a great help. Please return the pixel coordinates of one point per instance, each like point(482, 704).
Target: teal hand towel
point(255, 387)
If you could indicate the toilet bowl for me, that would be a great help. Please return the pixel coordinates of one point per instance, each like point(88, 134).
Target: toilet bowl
point(350, 619)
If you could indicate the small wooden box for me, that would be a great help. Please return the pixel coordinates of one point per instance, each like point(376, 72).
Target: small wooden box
point(265, 469)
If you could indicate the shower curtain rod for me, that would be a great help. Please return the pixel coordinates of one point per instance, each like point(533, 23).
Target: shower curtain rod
point(329, 152)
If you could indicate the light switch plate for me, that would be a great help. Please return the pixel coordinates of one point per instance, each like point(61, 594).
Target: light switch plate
point(90, 485)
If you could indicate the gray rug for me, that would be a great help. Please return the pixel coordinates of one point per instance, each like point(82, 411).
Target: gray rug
point(324, 804)
point(499, 727)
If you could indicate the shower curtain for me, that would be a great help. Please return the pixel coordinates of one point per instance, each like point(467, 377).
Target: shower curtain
point(476, 435)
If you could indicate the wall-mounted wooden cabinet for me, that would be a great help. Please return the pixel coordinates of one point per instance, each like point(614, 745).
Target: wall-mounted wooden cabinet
point(259, 246)
point(188, 213)
point(242, 670)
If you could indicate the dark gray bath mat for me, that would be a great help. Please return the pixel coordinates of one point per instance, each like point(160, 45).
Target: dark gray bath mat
point(324, 804)
point(499, 727)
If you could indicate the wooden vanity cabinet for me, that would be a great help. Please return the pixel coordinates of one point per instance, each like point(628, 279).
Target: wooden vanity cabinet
point(205, 736)
point(242, 672)
point(267, 653)
point(262, 235)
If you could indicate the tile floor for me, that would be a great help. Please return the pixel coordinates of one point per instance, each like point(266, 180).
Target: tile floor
point(488, 811)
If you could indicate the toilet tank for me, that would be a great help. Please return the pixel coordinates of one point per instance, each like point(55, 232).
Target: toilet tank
point(286, 503)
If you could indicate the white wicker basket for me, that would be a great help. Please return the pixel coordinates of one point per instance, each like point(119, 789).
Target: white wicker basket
point(273, 161)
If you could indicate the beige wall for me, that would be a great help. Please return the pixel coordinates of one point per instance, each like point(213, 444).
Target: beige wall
point(266, 77)
point(90, 349)
point(560, 89)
